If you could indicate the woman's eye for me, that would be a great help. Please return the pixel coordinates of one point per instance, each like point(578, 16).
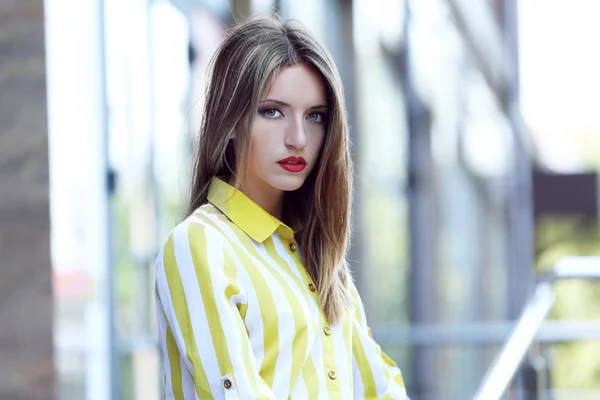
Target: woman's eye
point(270, 112)
point(315, 116)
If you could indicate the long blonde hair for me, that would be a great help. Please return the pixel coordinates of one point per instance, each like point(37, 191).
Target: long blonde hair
point(252, 53)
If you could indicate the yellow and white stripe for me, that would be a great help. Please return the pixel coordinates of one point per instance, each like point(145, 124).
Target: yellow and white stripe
point(238, 315)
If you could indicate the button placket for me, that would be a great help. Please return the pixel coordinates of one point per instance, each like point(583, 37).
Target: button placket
point(230, 391)
point(329, 356)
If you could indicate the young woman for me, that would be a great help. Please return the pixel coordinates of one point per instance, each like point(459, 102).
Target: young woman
point(254, 296)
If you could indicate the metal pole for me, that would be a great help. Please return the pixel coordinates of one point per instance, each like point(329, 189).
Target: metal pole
point(278, 7)
point(521, 241)
point(105, 189)
point(421, 236)
point(77, 111)
point(339, 37)
point(521, 208)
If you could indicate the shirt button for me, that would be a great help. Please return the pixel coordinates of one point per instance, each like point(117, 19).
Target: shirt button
point(312, 287)
point(227, 384)
point(293, 247)
point(327, 330)
point(332, 374)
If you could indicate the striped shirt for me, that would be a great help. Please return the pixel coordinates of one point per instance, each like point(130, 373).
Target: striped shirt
point(239, 318)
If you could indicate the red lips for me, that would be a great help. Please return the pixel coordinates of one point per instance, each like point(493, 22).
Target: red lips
point(293, 164)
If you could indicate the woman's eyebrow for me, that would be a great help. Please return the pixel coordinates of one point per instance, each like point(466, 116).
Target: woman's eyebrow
point(284, 104)
point(281, 103)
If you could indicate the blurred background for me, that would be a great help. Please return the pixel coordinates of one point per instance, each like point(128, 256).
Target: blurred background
point(476, 132)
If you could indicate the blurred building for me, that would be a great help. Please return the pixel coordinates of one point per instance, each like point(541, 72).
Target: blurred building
point(26, 319)
point(445, 249)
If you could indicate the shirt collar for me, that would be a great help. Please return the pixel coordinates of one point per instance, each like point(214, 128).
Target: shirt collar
point(245, 213)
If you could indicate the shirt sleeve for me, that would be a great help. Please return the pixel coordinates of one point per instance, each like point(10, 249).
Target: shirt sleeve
point(200, 306)
point(374, 374)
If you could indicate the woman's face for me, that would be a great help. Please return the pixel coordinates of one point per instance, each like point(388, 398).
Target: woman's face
point(288, 131)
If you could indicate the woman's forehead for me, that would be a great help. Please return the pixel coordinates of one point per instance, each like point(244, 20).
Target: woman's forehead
point(298, 85)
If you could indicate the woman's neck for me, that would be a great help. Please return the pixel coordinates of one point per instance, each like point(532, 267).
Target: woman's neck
point(264, 195)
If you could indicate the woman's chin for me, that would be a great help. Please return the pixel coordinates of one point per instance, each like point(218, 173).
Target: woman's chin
point(289, 184)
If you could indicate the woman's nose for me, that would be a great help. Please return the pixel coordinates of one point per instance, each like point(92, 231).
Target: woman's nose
point(296, 135)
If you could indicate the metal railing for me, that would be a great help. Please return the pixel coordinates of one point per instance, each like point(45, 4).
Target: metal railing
point(482, 333)
point(504, 367)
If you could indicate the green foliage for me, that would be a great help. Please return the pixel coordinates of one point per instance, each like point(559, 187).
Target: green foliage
point(575, 365)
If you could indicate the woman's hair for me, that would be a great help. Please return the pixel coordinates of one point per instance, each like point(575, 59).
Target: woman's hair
point(252, 54)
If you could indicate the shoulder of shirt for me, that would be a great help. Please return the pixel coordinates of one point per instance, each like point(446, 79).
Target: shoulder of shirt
point(205, 215)
point(200, 221)
point(189, 232)
point(188, 244)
